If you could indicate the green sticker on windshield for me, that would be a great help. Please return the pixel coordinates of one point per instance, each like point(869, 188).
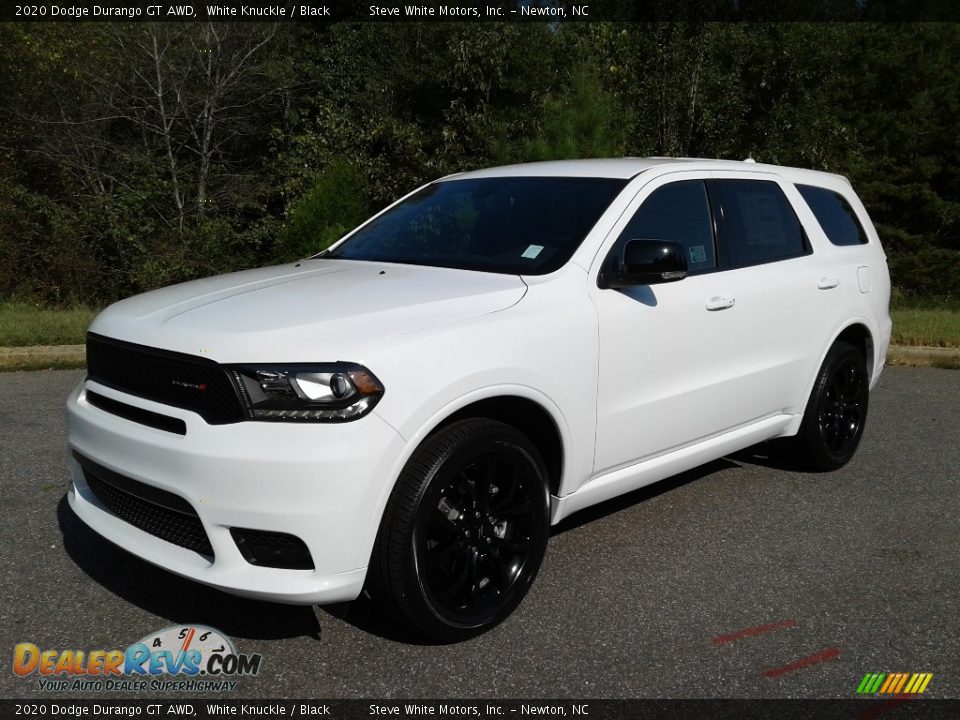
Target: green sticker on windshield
point(532, 251)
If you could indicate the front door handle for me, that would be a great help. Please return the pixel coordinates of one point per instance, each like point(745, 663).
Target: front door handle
point(720, 303)
point(828, 283)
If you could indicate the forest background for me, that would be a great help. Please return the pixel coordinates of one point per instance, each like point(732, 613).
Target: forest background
point(137, 155)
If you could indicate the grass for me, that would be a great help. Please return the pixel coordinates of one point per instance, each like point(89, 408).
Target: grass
point(934, 328)
point(24, 324)
point(932, 322)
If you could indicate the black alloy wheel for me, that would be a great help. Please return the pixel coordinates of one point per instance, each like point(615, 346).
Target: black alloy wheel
point(843, 410)
point(837, 410)
point(471, 547)
point(465, 530)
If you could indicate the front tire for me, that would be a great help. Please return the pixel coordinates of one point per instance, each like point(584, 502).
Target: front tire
point(836, 411)
point(465, 530)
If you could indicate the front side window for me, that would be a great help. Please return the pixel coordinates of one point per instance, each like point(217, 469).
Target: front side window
point(756, 223)
point(836, 217)
point(680, 213)
point(515, 225)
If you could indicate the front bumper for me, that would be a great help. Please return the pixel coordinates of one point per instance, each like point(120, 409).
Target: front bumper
point(319, 482)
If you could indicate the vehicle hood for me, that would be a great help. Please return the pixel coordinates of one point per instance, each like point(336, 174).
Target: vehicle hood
point(314, 310)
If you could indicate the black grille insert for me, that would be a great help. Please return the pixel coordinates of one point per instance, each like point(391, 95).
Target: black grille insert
point(137, 415)
point(155, 511)
point(184, 381)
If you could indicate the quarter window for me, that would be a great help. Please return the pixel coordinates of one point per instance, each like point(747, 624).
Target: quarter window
point(680, 213)
point(756, 223)
point(836, 217)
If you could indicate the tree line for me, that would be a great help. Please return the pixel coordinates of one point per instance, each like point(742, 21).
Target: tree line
point(137, 155)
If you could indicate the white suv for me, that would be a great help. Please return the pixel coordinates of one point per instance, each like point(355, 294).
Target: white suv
point(410, 410)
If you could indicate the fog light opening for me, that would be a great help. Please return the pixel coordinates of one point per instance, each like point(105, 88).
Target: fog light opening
point(272, 549)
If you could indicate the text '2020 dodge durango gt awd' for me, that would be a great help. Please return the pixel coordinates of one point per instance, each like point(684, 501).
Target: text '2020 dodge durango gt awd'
point(410, 410)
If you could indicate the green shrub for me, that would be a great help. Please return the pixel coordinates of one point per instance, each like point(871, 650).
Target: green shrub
point(927, 272)
point(582, 120)
point(335, 204)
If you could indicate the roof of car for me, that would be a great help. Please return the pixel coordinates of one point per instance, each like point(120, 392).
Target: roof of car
point(628, 167)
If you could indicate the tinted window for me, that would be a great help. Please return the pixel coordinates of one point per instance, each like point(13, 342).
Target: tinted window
point(678, 212)
point(516, 225)
point(757, 223)
point(836, 217)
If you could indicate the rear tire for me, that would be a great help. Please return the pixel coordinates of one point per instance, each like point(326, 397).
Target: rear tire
point(836, 411)
point(464, 531)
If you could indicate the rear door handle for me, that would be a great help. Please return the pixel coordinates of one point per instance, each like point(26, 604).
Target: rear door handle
point(828, 283)
point(720, 303)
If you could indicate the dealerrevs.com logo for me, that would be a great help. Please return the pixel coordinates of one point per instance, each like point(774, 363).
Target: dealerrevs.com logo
point(199, 657)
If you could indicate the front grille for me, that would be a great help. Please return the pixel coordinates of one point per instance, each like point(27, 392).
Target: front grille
point(137, 415)
point(155, 511)
point(184, 381)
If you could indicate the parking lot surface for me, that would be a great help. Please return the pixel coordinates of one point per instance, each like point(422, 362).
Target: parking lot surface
point(744, 578)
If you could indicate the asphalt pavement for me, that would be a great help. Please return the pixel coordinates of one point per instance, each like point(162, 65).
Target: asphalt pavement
point(744, 578)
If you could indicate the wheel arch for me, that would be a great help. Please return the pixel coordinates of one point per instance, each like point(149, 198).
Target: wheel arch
point(520, 406)
point(816, 448)
point(858, 333)
point(527, 416)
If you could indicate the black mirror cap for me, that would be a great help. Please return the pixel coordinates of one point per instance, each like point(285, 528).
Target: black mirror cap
point(648, 262)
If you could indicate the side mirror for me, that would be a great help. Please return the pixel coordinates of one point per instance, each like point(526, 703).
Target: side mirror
point(648, 262)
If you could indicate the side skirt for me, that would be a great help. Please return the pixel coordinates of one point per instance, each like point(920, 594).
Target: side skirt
point(623, 480)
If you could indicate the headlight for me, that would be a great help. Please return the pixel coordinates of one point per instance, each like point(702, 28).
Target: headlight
point(329, 392)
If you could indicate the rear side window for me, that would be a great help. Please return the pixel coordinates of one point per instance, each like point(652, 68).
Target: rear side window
point(678, 212)
point(836, 217)
point(756, 224)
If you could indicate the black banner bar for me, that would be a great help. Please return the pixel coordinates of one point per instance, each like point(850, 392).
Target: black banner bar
point(914, 709)
point(549, 11)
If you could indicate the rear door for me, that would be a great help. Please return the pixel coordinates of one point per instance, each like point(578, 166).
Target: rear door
point(774, 295)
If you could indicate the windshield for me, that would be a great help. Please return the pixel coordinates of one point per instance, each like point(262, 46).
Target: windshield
point(516, 225)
